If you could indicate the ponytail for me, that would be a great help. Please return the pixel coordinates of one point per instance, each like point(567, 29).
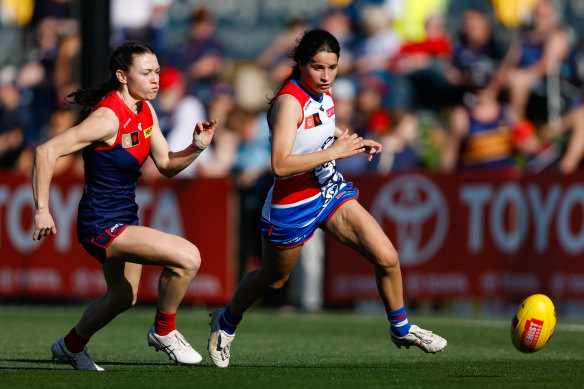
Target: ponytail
point(121, 59)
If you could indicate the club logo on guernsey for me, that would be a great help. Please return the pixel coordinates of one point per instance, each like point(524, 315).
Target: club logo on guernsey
point(130, 140)
point(312, 121)
point(147, 132)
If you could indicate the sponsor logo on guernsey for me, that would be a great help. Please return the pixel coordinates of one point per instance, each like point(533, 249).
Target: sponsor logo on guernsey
point(128, 122)
point(533, 328)
point(330, 112)
point(147, 132)
point(130, 140)
point(312, 121)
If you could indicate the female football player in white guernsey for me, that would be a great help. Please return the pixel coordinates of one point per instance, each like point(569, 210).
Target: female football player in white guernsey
point(309, 193)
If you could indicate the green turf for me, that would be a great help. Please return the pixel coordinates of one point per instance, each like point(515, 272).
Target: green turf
point(277, 350)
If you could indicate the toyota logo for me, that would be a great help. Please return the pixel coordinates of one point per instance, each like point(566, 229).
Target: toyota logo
point(417, 209)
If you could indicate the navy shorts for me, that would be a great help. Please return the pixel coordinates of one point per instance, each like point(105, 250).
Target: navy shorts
point(97, 245)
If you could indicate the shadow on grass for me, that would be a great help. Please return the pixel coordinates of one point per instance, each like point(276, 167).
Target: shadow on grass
point(64, 365)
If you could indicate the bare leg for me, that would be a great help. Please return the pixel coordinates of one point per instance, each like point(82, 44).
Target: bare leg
point(276, 267)
point(520, 83)
point(181, 260)
point(122, 282)
point(575, 151)
point(122, 270)
point(353, 226)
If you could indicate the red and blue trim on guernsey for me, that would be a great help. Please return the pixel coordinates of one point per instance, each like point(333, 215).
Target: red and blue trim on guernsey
point(296, 200)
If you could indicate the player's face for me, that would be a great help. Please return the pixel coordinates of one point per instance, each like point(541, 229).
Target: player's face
point(319, 73)
point(143, 77)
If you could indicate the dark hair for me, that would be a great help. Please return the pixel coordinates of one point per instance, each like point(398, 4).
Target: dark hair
point(311, 43)
point(121, 59)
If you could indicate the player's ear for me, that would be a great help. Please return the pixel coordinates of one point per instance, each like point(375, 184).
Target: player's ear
point(122, 77)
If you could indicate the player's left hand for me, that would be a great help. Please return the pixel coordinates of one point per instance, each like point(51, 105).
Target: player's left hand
point(372, 147)
point(44, 224)
point(203, 134)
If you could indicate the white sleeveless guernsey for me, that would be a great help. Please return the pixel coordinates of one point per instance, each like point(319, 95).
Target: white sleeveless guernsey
point(298, 200)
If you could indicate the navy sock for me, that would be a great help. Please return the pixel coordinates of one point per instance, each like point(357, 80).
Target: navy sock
point(228, 322)
point(398, 320)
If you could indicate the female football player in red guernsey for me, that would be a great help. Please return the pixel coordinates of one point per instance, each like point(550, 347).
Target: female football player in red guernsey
point(309, 193)
point(116, 138)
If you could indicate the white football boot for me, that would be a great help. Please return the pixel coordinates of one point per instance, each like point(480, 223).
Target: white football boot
point(424, 339)
point(80, 361)
point(219, 341)
point(175, 345)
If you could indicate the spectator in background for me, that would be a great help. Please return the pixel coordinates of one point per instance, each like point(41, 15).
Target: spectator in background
point(308, 275)
point(417, 70)
point(345, 94)
point(337, 22)
point(253, 177)
point(570, 126)
point(139, 20)
point(400, 145)
point(380, 42)
point(56, 9)
point(12, 135)
point(475, 49)
point(484, 133)
point(354, 106)
point(36, 76)
point(537, 53)
point(67, 76)
point(242, 150)
point(15, 17)
point(201, 56)
point(409, 17)
point(275, 59)
point(69, 165)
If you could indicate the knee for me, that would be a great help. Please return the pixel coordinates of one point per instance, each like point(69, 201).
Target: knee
point(123, 299)
point(279, 283)
point(193, 260)
point(275, 281)
point(190, 262)
point(387, 259)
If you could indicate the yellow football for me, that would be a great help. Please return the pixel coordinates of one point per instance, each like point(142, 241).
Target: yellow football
point(533, 324)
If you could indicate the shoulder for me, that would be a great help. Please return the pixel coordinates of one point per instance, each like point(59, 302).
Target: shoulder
point(286, 107)
point(106, 115)
point(286, 103)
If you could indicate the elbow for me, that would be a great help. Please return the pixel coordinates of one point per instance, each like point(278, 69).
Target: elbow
point(278, 171)
point(168, 173)
point(41, 153)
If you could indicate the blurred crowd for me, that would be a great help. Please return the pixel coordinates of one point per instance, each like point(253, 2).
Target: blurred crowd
point(494, 84)
point(484, 84)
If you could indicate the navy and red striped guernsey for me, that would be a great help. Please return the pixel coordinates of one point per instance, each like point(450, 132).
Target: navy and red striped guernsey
point(111, 173)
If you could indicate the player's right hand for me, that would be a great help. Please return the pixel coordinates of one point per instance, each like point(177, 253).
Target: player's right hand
point(44, 224)
point(348, 145)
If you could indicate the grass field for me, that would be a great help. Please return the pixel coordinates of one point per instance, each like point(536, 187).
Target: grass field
point(287, 350)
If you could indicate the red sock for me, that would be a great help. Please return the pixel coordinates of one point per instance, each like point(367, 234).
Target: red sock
point(74, 342)
point(164, 322)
